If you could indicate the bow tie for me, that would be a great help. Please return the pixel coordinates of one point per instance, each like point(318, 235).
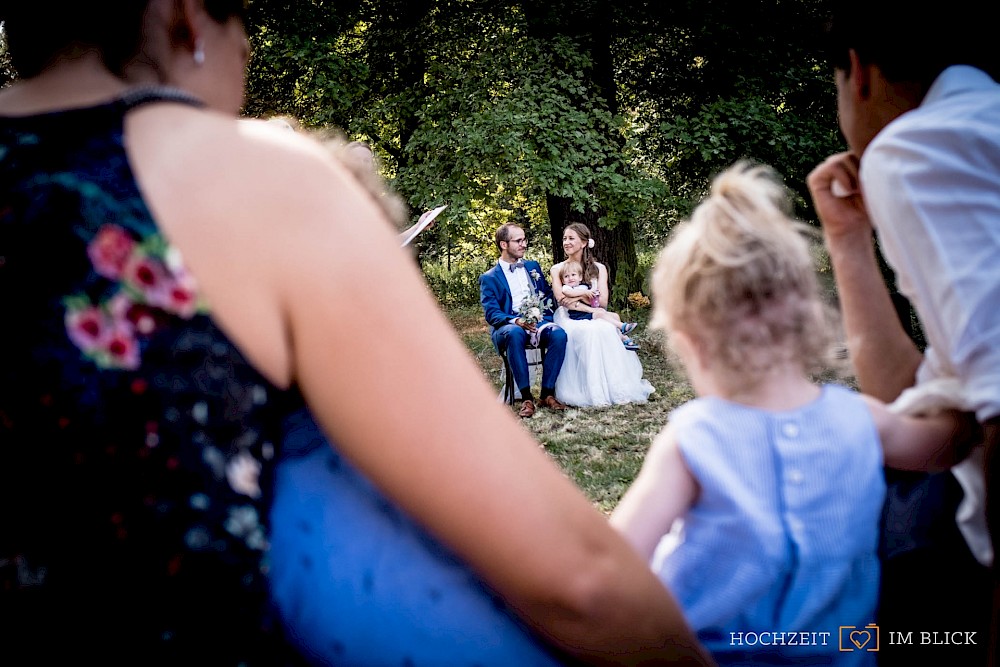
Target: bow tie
point(519, 264)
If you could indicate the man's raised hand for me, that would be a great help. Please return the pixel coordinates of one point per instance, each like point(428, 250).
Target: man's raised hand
point(836, 194)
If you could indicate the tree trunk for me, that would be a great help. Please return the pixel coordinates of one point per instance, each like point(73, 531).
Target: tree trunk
point(615, 248)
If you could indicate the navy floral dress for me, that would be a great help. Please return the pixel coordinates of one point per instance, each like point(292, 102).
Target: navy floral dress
point(149, 513)
point(136, 442)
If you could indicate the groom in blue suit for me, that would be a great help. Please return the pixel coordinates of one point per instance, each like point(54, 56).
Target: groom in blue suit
point(501, 290)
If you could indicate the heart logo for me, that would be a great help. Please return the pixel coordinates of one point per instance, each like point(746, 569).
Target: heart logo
point(860, 638)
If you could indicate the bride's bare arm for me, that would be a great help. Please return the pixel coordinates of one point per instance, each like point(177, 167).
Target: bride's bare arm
point(301, 247)
point(602, 281)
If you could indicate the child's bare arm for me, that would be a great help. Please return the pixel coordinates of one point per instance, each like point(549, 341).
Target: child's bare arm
point(662, 492)
point(928, 443)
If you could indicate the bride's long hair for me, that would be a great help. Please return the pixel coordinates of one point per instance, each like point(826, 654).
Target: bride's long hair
point(590, 271)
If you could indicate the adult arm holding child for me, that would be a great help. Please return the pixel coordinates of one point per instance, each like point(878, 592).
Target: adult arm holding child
point(581, 291)
point(579, 298)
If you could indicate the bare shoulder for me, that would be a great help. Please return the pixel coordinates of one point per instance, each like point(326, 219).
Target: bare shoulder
point(250, 180)
point(249, 204)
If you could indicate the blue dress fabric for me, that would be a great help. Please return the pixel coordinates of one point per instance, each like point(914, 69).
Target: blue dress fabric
point(356, 581)
point(138, 450)
point(136, 441)
point(784, 534)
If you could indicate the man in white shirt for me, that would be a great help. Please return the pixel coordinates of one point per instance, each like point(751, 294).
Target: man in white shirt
point(921, 117)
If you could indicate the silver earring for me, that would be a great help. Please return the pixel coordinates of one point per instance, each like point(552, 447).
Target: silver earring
point(199, 52)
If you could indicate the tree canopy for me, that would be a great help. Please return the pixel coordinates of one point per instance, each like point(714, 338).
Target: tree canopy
point(612, 113)
point(615, 113)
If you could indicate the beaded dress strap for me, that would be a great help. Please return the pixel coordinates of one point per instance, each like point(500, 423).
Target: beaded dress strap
point(136, 97)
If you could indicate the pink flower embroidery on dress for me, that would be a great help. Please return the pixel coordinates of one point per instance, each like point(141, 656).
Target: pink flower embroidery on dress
point(109, 341)
point(151, 283)
point(143, 274)
point(110, 250)
point(123, 348)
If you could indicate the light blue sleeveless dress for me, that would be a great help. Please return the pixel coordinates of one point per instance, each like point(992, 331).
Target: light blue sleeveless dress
point(784, 534)
point(357, 582)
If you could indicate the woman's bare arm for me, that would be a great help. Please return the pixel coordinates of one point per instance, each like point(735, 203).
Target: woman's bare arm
point(409, 406)
point(602, 284)
point(579, 290)
point(563, 297)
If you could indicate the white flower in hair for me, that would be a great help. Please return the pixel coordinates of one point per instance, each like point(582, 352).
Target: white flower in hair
point(590, 243)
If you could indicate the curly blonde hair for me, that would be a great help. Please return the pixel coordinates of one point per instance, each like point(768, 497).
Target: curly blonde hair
point(739, 278)
point(365, 171)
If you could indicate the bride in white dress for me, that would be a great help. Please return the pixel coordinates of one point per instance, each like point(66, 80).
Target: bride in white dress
point(598, 369)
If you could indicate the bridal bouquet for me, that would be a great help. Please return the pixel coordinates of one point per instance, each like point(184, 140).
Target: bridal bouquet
point(533, 307)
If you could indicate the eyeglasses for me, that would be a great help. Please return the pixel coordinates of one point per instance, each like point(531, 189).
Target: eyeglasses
point(521, 241)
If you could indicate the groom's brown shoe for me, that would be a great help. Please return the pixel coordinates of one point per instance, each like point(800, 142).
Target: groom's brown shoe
point(527, 409)
point(552, 403)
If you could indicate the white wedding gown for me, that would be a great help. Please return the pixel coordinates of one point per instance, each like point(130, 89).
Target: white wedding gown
point(598, 370)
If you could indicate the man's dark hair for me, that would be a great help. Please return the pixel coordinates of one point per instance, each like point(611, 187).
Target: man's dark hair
point(503, 233)
point(913, 42)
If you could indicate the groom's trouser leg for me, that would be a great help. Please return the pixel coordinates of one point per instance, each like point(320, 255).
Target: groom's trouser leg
point(553, 341)
point(511, 340)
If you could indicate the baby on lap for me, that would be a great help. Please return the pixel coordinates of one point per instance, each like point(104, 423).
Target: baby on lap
point(572, 286)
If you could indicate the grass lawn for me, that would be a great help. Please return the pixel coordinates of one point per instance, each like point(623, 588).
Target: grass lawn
point(601, 449)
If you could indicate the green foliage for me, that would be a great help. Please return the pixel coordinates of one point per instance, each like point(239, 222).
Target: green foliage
point(505, 148)
point(723, 131)
point(457, 287)
point(501, 109)
point(306, 62)
point(721, 81)
point(6, 68)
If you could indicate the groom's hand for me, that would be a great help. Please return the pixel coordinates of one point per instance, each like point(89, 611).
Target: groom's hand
point(524, 324)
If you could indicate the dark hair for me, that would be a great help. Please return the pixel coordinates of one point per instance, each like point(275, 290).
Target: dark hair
point(503, 233)
point(590, 270)
point(913, 42)
point(37, 31)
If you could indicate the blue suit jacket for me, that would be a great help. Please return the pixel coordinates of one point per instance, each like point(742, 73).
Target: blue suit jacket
point(494, 294)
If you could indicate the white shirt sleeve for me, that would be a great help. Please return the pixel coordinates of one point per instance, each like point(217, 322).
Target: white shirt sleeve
point(935, 202)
